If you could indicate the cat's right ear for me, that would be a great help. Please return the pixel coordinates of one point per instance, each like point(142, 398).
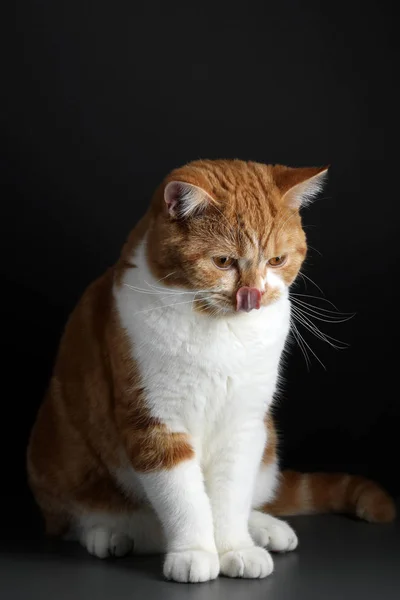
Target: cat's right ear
point(184, 200)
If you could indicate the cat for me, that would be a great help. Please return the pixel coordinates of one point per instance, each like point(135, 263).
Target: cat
point(156, 433)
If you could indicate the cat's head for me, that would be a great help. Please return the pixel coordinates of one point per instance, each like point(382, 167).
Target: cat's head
point(231, 231)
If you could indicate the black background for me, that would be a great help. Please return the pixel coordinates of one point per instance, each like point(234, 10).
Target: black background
point(104, 98)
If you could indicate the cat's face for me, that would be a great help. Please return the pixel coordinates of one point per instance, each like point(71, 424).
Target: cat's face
point(231, 231)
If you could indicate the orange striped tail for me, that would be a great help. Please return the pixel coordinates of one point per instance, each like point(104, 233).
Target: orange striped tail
point(307, 493)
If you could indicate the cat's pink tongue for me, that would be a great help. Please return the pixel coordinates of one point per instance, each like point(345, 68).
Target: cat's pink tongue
point(248, 298)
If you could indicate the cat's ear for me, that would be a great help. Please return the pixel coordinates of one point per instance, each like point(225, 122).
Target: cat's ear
point(184, 200)
point(299, 186)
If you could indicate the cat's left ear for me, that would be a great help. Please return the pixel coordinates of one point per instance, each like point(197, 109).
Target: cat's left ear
point(299, 186)
point(184, 200)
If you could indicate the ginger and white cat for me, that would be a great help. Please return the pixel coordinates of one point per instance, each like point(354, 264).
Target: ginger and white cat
point(156, 434)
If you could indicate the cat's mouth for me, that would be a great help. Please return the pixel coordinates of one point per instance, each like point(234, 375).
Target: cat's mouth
point(221, 304)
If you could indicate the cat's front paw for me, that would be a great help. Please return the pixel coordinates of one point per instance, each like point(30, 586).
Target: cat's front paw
point(191, 566)
point(252, 563)
point(271, 533)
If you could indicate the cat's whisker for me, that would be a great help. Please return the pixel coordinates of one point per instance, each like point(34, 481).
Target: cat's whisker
point(316, 297)
point(153, 286)
point(300, 274)
point(312, 328)
point(303, 347)
point(141, 291)
point(160, 291)
point(167, 292)
point(311, 281)
point(319, 318)
point(312, 248)
point(174, 293)
point(316, 307)
point(166, 276)
point(298, 338)
point(191, 308)
point(163, 290)
point(311, 350)
point(170, 305)
point(322, 312)
point(181, 293)
point(320, 309)
point(155, 292)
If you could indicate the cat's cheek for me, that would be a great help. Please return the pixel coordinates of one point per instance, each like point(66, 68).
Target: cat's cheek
point(274, 288)
point(274, 281)
point(291, 270)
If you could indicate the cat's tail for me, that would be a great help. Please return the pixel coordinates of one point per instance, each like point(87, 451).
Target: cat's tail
point(307, 493)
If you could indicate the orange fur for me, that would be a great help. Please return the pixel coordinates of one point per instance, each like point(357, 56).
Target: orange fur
point(270, 450)
point(307, 493)
point(243, 198)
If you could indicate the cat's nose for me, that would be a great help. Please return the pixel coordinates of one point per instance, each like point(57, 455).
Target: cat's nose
point(248, 298)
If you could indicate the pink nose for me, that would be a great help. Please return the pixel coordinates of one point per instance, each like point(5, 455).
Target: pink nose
point(248, 298)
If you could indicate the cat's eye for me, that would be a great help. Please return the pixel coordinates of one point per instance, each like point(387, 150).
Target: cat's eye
point(277, 261)
point(223, 262)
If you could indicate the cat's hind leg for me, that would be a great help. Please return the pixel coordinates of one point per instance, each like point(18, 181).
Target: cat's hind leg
point(268, 531)
point(113, 535)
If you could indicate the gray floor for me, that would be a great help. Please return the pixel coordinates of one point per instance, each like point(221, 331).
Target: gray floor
point(337, 559)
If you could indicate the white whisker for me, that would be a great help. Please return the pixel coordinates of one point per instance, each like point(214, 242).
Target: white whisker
point(311, 281)
point(298, 338)
point(321, 313)
point(141, 291)
point(173, 304)
point(316, 297)
point(172, 293)
point(312, 328)
point(311, 350)
point(312, 248)
point(320, 309)
point(166, 276)
point(160, 291)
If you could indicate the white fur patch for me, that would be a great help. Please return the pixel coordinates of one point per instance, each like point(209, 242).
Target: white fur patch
point(249, 563)
point(191, 566)
point(274, 281)
point(266, 485)
point(272, 533)
point(107, 534)
point(214, 380)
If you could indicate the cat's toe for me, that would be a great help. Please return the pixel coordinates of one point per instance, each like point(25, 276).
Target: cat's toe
point(96, 541)
point(251, 563)
point(101, 542)
point(191, 566)
point(272, 533)
point(120, 545)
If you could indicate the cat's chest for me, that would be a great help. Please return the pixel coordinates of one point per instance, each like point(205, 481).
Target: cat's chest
point(196, 369)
